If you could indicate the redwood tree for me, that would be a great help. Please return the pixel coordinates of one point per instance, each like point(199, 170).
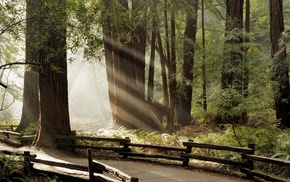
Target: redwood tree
point(280, 65)
point(233, 70)
point(53, 86)
point(125, 55)
point(30, 110)
point(184, 105)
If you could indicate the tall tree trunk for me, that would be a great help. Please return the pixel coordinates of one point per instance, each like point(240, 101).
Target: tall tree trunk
point(163, 60)
point(30, 110)
point(280, 65)
point(184, 105)
point(232, 70)
point(203, 67)
point(150, 88)
point(166, 99)
point(172, 76)
point(53, 86)
point(108, 47)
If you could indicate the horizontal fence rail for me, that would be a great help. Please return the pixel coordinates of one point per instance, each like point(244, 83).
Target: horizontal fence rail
point(126, 149)
point(11, 137)
point(272, 161)
point(8, 127)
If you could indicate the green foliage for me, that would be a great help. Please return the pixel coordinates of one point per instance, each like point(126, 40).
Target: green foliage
point(11, 170)
point(31, 129)
point(268, 139)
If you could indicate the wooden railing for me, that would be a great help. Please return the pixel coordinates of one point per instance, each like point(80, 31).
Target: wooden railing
point(8, 127)
point(15, 138)
point(126, 149)
point(11, 137)
point(273, 161)
point(95, 169)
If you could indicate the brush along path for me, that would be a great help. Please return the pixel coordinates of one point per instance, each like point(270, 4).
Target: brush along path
point(145, 171)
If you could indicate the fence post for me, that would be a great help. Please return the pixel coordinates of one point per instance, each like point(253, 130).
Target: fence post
point(250, 162)
point(188, 151)
point(90, 165)
point(27, 162)
point(73, 141)
point(133, 179)
point(126, 147)
point(11, 127)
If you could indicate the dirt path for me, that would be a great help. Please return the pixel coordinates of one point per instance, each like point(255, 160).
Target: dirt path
point(146, 172)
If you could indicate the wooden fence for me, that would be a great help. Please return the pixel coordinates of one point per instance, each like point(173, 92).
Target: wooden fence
point(94, 168)
point(9, 136)
point(126, 149)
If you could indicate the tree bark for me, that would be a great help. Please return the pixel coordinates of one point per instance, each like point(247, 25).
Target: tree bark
point(280, 68)
point(150, 89)
point(53, 86)
point(172, 76)
point(108, 48)
point(30, 110)
point(233, 70)
point(184, 105)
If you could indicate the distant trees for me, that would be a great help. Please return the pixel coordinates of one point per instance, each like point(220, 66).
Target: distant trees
point(125, 60)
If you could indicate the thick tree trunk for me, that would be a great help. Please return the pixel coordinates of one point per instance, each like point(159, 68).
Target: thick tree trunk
point(184, 105)
point(280, 68)
point(53, 86)
point(233, 70)
point(108, 47)
point(30, 110)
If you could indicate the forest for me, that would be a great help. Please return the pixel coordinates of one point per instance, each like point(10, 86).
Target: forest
point(219, 67)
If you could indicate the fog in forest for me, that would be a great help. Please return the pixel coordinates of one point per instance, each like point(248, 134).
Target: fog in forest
point(87, 88)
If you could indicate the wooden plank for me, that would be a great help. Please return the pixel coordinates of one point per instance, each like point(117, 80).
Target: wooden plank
point(92, 147)
point(216, 159)
point(262, 175)
point(61, 164)
point(113, 171)
point(11, 133)
point(10, 142)
point(102, 178)
point(157, 147)
point(93, 138)
point(161, 156)
point(61, 176)
point(268, 160)
point(7, 152)
point(219, 147)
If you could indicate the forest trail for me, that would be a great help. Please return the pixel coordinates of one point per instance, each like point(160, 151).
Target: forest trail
point(146, 172)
